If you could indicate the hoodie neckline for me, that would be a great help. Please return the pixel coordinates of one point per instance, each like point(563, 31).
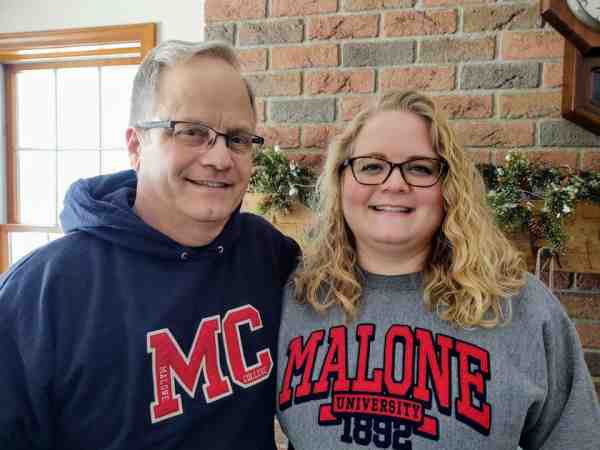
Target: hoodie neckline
point(103, 206)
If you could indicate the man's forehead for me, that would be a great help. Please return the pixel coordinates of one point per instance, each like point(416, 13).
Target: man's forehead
point(214, 93)
point(203, 75)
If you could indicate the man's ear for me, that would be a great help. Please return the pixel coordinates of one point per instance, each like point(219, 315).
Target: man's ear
point(134, 148)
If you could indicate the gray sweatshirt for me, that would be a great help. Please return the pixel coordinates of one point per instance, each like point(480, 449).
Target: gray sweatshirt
point(400, 378)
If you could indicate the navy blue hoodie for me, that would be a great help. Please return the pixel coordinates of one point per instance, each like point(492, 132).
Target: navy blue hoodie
point(117, 337)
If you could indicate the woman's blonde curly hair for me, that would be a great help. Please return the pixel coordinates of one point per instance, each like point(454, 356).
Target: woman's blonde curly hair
point(472, 268)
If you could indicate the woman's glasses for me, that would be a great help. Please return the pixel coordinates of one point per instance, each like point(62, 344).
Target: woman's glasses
point(372, 170)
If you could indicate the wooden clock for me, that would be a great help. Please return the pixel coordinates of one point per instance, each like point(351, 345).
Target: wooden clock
point(579, 22)
point(587, 11)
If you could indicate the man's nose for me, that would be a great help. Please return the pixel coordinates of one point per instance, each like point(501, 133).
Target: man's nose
point(217, 154)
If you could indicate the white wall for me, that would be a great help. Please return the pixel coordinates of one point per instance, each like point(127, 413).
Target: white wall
point(176, 19)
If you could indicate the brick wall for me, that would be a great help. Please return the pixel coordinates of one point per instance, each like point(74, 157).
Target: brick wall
point(492, 65)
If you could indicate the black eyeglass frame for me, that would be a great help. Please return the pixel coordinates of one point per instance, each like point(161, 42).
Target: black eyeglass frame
point(170, 124)
point(350, 162)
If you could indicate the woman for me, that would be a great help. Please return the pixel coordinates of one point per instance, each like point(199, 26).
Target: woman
point(412, 322)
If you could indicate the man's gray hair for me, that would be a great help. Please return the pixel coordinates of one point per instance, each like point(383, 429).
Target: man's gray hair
point(167, 55)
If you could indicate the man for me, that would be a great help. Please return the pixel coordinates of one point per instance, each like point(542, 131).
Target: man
point(152, 324)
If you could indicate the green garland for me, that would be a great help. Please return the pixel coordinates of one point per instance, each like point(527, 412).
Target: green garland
point(512, 189)
point(283, 181)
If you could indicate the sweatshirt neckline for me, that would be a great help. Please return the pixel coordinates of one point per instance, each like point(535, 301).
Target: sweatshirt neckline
point(407, 281)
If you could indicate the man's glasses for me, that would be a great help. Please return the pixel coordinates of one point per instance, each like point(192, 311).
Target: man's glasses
point(197, 134)
point(371, 170)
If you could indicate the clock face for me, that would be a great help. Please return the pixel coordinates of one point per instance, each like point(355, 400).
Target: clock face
point(587, 11)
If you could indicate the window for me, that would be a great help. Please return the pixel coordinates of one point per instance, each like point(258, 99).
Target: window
point(67, 105)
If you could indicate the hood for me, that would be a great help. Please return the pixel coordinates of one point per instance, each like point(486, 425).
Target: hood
point(103, 207)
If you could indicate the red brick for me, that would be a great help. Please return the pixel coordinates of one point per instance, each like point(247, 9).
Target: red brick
point(581, 306)
point(465, 106)
point(298, 57)
point(500, 17)
point(334, 82)
point(495, 134)
point(219, 10)
point(421, 78)
point(592, 360)
point(590, 159)
point(480, 156)
point(552, 75)
point(530, 105)
point(253, 60)
point(318, 136)
point(531, 45)
point(589, 333)
point(429, 3)
point(273, 84)
point(351, 106)
point(419, 23)
point(590, 281)
point(302, 7)
point(363, 5)
point(286, 137)
point(314, 161)
point(260, 110)
point(558, 156)
point(342, 27)
point(560, 280)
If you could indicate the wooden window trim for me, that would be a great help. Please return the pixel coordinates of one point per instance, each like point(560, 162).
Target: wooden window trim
point(13, 44)
point(10, 110)
point(142, 38)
